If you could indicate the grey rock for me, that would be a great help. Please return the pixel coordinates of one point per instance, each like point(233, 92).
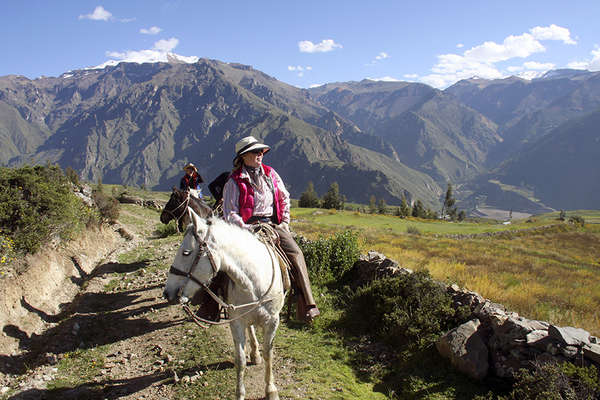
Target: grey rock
point(569, 335)
point(466, 350)
point(592, 352)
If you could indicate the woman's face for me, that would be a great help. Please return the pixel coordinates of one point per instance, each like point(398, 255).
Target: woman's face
point(253, 158)
point(189, 171)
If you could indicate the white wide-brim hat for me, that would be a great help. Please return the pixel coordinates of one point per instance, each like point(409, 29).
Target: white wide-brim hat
point(247, 144)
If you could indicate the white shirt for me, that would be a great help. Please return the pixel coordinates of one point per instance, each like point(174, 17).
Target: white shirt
point(263, 197)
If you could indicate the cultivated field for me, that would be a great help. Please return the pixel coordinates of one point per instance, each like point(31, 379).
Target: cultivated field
point(541, 267)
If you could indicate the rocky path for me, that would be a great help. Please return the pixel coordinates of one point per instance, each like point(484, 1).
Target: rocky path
point(119, 339)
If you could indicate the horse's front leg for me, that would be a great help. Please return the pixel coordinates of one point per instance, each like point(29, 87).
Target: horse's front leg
point(269, 336)
point(239, 341)
point(255, 357)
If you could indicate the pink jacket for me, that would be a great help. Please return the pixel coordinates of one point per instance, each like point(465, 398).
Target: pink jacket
point(246, 201)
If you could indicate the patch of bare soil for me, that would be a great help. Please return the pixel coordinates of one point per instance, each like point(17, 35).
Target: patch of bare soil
point(131, 334)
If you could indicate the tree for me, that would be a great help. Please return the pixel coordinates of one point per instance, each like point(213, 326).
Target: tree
point(405, 210)
point(382, 206)
point(72, 175)
point(372, 204)
point(462, 215)
point(419, 210)
point(309, 199)
point(332, 198)
point(448, 207)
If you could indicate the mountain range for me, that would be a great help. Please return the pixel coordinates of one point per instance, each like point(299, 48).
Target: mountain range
point(138, 124)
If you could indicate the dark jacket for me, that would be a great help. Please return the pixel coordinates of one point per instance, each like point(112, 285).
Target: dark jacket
point(216, 186)
point(190, 182)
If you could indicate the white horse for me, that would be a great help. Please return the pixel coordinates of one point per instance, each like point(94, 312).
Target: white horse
point(255, 288)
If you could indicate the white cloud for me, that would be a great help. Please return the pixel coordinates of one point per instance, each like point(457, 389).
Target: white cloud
point(153, 30)
point(595, 63)
point(326, 45)
point(480, 60)
point(460, 45)
point(299, 69)
point(578, 65)
point(160, 52)
point(411, 76)
point(534, 65)
point(513, 46)
point(592, 64)
point(552, 32)
point(99, 14)
point(382, 56)
point(314, 85)
point(384, 79)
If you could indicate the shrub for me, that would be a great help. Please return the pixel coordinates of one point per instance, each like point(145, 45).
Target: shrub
point(556, 381)
point(167, 230)
point(577, 220)
point(36, 205)
point(413, 230)
point(406, 311)
point(107, 206)
point(7, 249)
point(328, 259)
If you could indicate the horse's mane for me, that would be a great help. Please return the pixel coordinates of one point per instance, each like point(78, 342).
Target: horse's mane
point(227, 236)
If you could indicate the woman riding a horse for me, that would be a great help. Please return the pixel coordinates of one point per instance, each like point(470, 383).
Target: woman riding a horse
point(254, 194)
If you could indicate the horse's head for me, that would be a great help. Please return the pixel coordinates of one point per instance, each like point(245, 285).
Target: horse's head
point(175, 207)
point(194, 265)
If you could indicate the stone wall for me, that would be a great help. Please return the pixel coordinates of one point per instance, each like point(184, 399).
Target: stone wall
point(494, 341)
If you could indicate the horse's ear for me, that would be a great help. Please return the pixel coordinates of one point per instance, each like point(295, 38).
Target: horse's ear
point(174, 189)
point(196, 220)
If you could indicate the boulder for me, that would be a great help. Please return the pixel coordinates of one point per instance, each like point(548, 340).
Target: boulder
point(373, 266)
point(592, 352)
point(466, 349)
point(569, 336)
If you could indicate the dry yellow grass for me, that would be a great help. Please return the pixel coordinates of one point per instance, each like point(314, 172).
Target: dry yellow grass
point(552, 276)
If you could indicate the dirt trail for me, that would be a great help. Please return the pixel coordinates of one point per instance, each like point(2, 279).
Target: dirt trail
point(120, 338)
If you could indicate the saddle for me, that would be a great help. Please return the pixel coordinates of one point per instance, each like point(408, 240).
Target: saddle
point(209, 309)
point(269, 236)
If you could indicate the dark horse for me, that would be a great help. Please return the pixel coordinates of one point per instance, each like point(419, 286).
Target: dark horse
point(177, 208)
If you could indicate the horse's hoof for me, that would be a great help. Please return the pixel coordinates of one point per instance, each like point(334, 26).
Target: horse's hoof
point(273, 396)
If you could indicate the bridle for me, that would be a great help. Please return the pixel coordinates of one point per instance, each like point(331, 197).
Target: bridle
point(202, 250)
point(183, 204)
point(205, 250)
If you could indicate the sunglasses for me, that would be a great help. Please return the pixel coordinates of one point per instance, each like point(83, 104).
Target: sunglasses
point(257, 151)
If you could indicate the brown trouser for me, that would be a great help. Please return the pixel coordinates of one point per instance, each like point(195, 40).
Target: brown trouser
point(299, 270)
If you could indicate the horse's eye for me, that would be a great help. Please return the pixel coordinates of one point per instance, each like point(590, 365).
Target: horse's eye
point(187, 252)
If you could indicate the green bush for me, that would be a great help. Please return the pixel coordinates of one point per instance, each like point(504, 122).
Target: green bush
point(329, 258)
point(37, 205)
point(553, 381)
point(577, 220)
point(413, 230)
point(167, 230)
point(107, 206)
point(406, 311)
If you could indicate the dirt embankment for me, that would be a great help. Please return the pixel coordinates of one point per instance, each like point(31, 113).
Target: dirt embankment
point(52, 278)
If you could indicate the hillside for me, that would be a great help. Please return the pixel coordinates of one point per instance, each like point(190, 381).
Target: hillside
point(139, 124)
point(561, 168)
point(429, 130)
point(525, 111)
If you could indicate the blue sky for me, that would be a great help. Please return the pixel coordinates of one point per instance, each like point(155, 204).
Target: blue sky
point(306, 43)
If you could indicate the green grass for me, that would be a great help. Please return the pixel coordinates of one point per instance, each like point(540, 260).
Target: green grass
point(77, 366)
point(551, 274)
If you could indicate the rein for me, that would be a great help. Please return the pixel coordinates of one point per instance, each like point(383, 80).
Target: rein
point(172, 213)
point(204, 249)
